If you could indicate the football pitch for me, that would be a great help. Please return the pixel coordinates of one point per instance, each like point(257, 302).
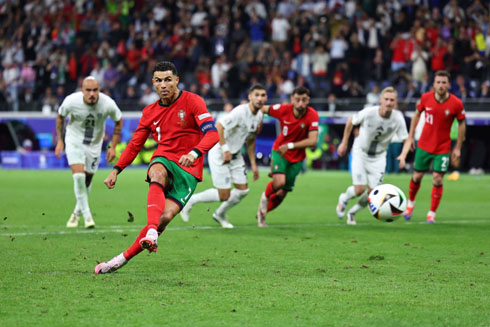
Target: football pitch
point(308, 268)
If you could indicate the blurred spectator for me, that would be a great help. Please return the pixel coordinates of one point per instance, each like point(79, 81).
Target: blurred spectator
point(372, 98)
point(280, 28)
point(419, 60)
point(121, 40)
point(218, 72)
point(149, 96)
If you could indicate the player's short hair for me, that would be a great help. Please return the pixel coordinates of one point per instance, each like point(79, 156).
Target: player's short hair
point(300, 90)
point(164, 66)
point(442, 73)
point(256, 86)
point(389, 89)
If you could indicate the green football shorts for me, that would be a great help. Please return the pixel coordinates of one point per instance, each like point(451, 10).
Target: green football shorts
point(423, 160)
point(279, 165)
point(182, 183)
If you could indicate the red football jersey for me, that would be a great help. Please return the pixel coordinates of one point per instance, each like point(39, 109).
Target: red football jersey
point(293, 129)
point(438, 120)
point(178, 128)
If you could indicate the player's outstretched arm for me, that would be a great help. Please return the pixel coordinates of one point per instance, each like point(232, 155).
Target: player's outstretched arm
point(60, 145)
point(110, 181)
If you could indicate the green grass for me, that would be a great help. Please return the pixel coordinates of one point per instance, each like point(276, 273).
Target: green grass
point(307, 269)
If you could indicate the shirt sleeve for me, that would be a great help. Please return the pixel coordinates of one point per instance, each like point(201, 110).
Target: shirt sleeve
point(421, 104)
point(206, 123)
point(401, 131)
point(230, 120)
point(313, 123)
point(64, 109)
point(275, 111)
point(115, 112)
point(359, 117)
point(461, 114)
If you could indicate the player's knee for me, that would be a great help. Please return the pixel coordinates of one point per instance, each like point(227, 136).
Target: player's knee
point(281, 194)
point(359, 189)
point(242, 193)
point(278, 184)
point(158, 175)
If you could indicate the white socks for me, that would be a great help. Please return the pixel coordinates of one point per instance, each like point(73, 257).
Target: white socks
point(235, 197)
point(350, 193)
point(209, 195)
point(77, 209)
point(361, 203)
point(81, 194)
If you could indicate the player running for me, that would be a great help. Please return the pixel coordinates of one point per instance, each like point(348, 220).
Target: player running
point(378, 125)
point(299, 130)
point(184, 130)
point(238, 127)
point(87, 111)
point(434, 145)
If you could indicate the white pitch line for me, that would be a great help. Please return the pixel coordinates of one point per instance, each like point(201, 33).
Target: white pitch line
point(123, 229)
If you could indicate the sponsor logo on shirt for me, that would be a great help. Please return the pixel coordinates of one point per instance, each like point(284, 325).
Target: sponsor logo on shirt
point(447, 112)
point(287, 122)
point(276, 106)
point(314, 124)
point(156, 122)
point(428, 109)
point(302, 125)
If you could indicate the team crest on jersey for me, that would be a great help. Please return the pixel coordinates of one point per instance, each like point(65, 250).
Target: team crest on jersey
point(302, 125)
point(181, 114)
point(447, 112)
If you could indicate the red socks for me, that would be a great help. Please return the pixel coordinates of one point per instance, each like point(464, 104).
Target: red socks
point(154, 209)
point(274, 199)
point(413, 188)
point(269, 190)
point(436, 197)
point(155, 204)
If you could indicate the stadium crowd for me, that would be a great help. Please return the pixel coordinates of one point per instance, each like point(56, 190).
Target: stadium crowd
point(339, 49)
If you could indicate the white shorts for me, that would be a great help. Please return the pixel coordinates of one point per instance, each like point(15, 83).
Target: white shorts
point(368, 170)
point(88, 155)
point(224, 175)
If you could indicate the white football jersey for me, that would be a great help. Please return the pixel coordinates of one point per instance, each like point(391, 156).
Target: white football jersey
point(87, 122)
point(239, 124)
point(376, 132)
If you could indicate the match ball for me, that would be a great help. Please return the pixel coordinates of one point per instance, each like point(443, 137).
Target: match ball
point(387, 202)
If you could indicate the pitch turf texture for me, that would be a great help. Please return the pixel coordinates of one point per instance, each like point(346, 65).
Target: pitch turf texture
point(308, 268)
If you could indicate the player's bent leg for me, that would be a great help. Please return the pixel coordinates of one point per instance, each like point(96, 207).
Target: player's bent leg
point(413, 189)
point(237, 194)
point(262, 210)
point(344, 200)
point(209, 195)
point(82, 198)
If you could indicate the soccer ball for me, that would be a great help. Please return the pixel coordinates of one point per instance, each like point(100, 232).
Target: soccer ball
point(387, 202)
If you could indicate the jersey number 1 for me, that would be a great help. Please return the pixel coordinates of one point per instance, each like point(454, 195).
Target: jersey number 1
point(158, 132)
